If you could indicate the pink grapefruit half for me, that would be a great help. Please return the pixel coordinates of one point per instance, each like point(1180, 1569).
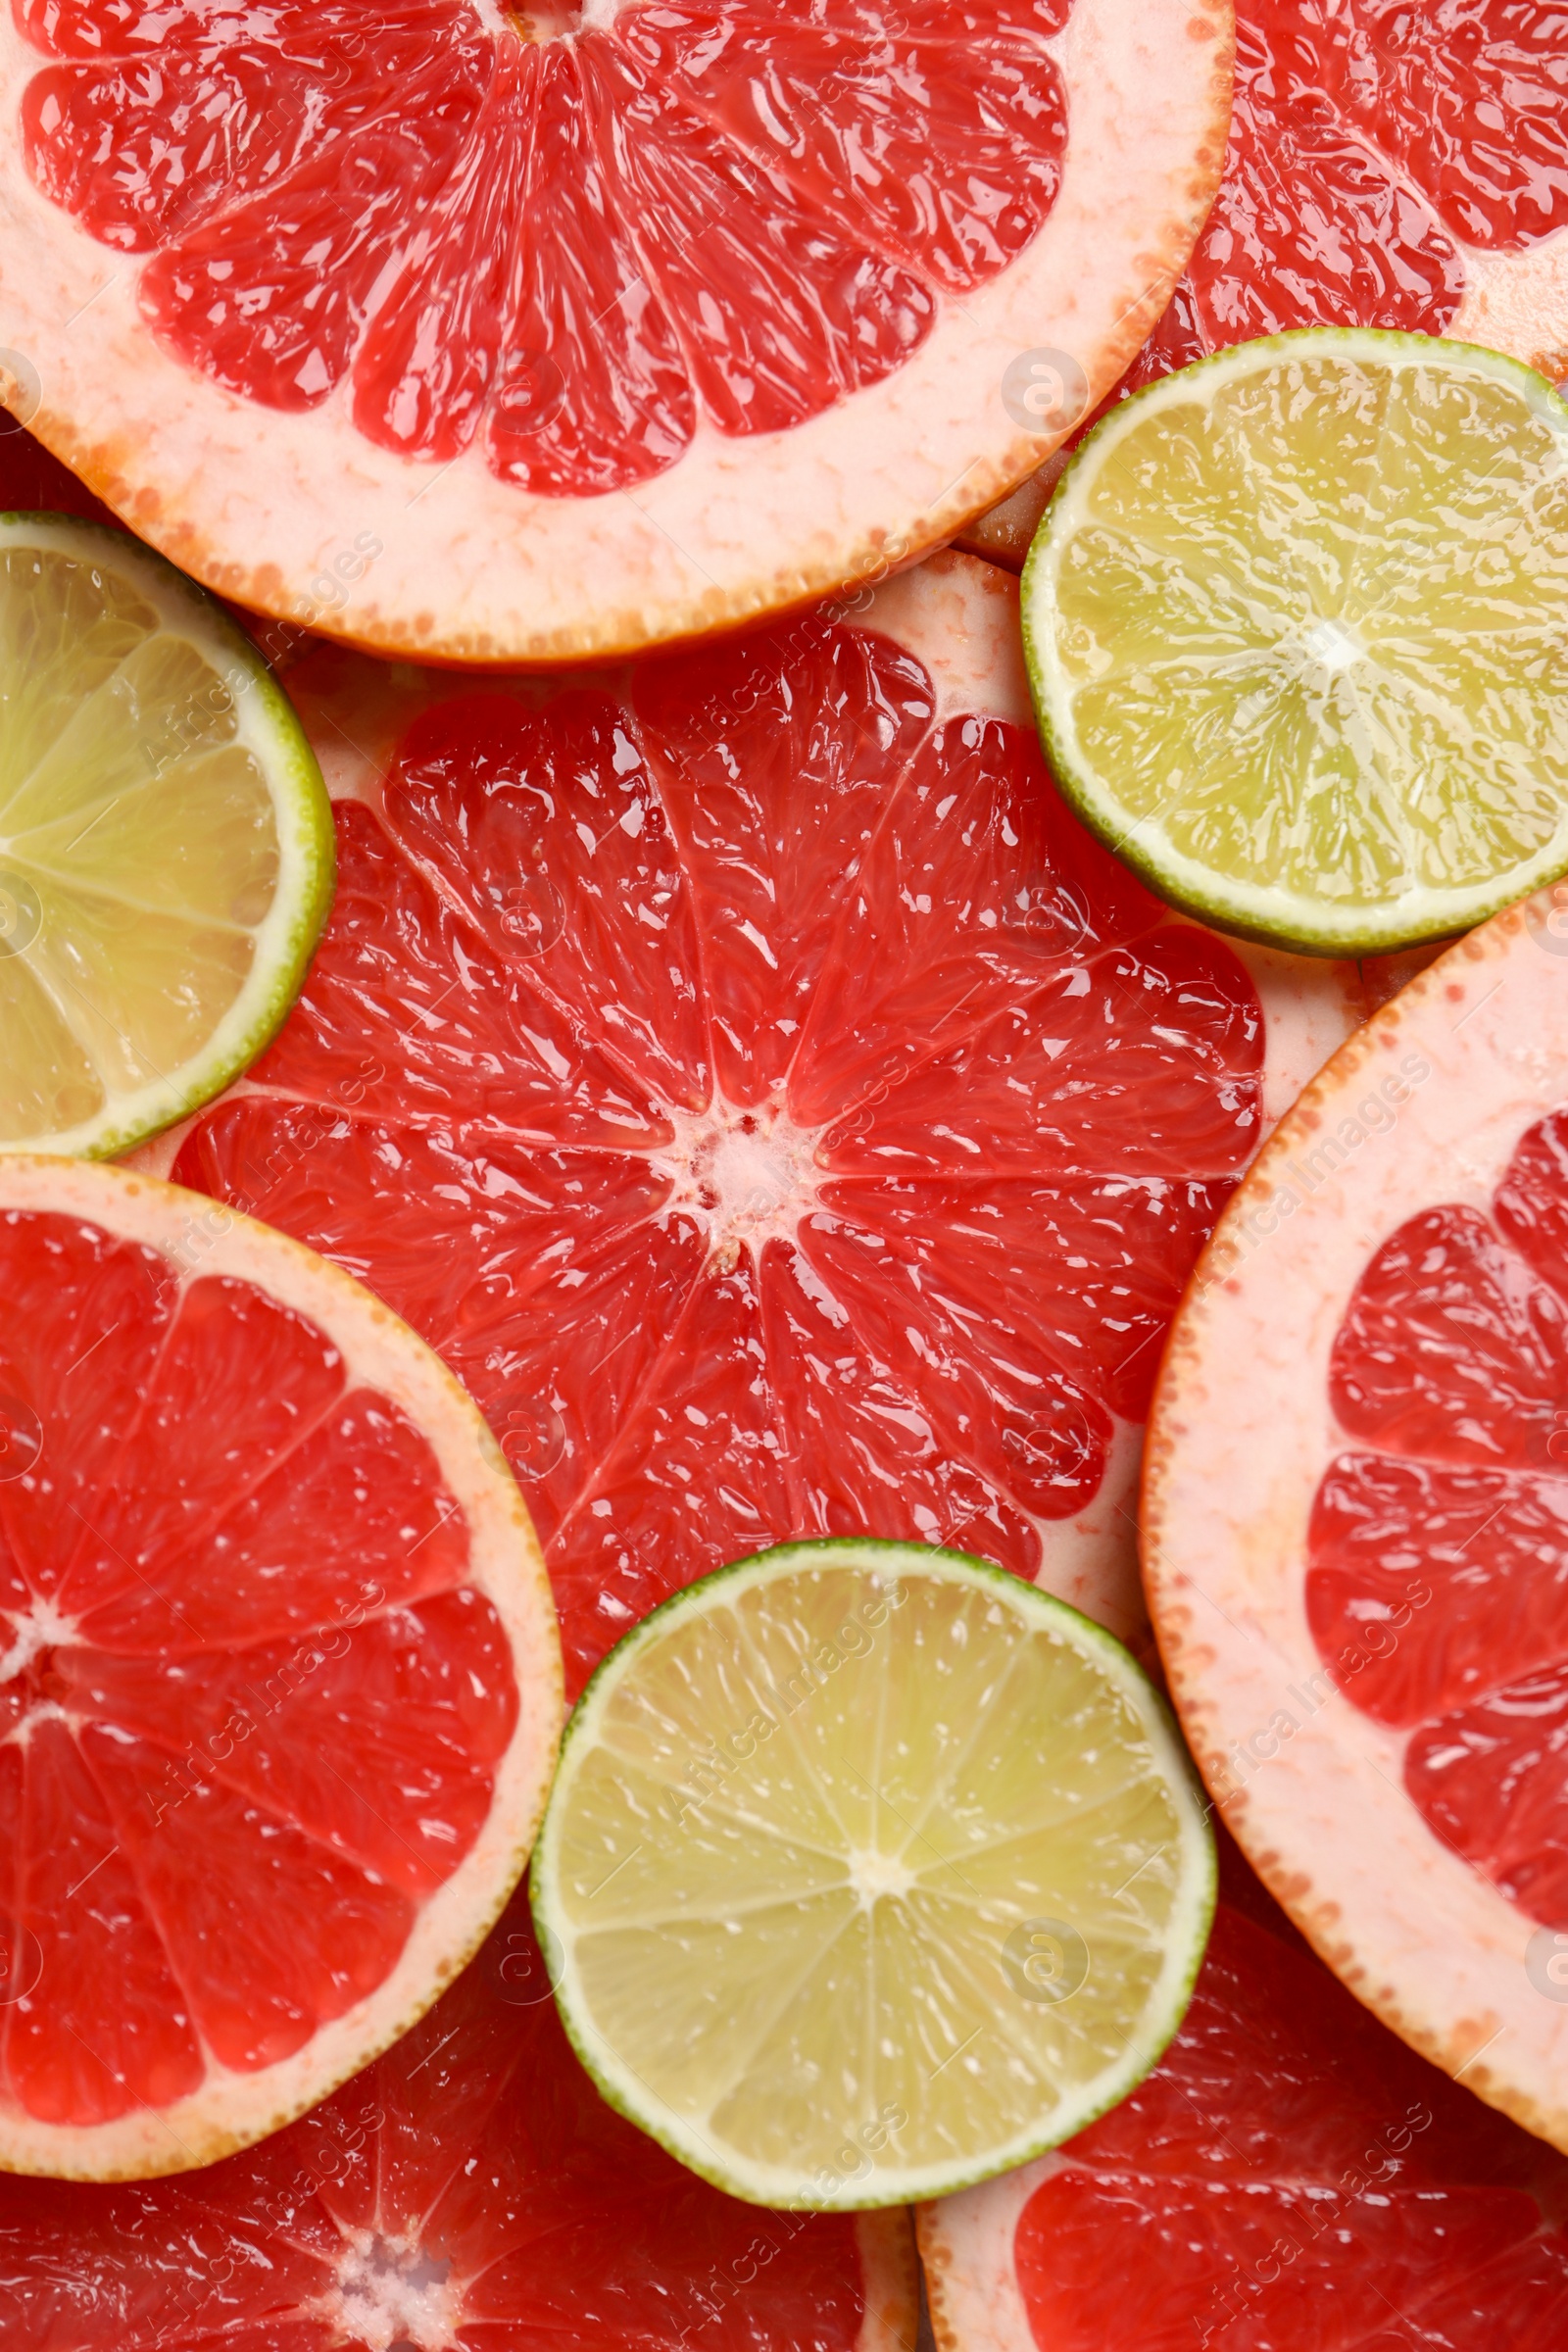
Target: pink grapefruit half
point(494, 335)
point(1356, 1506)
point(279, 1679)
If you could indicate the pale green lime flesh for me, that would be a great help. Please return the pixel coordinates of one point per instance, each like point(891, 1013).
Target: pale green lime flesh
point(869, 1871)
point(166, 842)
point(1295, 621)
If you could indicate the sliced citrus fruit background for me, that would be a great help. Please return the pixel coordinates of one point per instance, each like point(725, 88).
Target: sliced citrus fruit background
point(772, 1103)
point(1291, 2174)
point(1389, 165)
point(279, 1686)
point(618, 324)
point(165, 844)
point(1354, 1514)
point(1294, 624)
point(471, 2187)
point(869, 1847)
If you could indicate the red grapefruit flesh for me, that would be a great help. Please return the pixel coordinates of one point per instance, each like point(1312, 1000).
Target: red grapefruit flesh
point(1389, 165)
point(1355, 1514)
point(279, 1687)
point(559, 334)
point(468, 2192)
point(767, 1098)
point(1291, 2174)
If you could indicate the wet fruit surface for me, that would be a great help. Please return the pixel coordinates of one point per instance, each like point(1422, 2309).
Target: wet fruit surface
point(225, 1616)
point(1437, 1591)
point(469, 2190)
point(573, 241)
point(1369, 142)
point(1291, 2174)
point(776, 1109)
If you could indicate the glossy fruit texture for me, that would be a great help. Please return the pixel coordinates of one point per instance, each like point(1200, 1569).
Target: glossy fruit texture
point(1437, 1583)
point(1290, 2175)
point(227, 1622)
point(1341, 105)
point(773, 1104)
point(470, 2189)
point(570, 249)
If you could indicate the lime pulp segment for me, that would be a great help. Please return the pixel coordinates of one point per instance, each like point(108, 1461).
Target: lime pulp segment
point(1296, 626)
point(166, 842)
point(869, 1869)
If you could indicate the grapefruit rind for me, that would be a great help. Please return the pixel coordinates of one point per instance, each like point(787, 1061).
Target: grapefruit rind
point(269, 729)
point(1241, 1432)
point(233, 2109)
point(1298, 920)
point(1143, 2034)
point(473, 570)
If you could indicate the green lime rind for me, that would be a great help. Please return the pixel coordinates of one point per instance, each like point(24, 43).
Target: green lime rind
point(1291, 920)
point(616, 2077)
point(269, 728)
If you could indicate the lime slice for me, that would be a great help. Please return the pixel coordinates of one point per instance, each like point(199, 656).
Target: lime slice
point(166, 842)
point(869, 1869)
point(1295, 628)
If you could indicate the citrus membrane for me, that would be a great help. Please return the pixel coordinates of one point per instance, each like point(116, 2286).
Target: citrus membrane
point(868, 1871)
point(1294, 624)
point(166, 842)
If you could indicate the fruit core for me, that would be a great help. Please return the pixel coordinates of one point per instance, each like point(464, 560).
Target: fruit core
point(393, 2298)
point(750, 1176)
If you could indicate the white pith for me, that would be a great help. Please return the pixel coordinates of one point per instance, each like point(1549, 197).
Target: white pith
point(1241, 1434)
point(701, 2141)
point(967, 2252)
point(472, 568)
point(266, 728)
point(231, 2109)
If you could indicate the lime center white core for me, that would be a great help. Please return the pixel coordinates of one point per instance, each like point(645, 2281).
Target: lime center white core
point(1330, 645)
point(390, 2296)
point(873, 1873)
point(750, 1176)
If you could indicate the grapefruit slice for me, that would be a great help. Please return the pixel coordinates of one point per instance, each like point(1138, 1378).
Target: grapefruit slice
point(1388, 166)
point(1290, 2175)
point(771, 1101)
point(1354, 1513)
point(470, 2189)
point(501, 335)
point(280, 1690)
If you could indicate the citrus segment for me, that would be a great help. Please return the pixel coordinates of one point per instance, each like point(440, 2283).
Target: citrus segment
point(1289, 2165)
point(279, 1687)
point(1355, 1537)
point(626, 325)
point(1292, 623)
point(955, 1909)
point(468, 2186)
point(679, 1061)
point(166, 856)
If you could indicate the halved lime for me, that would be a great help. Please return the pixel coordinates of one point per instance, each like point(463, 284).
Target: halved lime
point(166, 842)
point(1294, 623)
point(869, 1869)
